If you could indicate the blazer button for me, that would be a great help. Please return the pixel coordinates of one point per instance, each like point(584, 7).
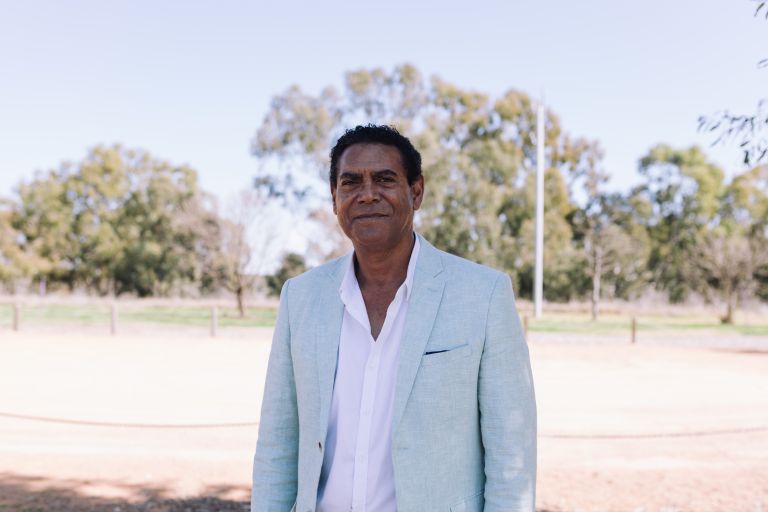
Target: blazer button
point(320, 445)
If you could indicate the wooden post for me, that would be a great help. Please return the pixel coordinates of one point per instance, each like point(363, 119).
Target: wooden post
point(214, 321)
point(113, 320)
point(634, 330)
point(16, 316)
point(525, 327)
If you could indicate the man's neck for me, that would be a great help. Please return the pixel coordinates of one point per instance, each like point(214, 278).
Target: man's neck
point(384, 269)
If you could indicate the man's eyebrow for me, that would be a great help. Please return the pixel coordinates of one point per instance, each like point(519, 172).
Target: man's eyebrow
point(355, 174)
point(385, 172)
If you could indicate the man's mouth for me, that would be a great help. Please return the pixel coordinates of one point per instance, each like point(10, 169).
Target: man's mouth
point(370, 216)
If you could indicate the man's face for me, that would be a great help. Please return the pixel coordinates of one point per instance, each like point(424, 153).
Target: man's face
point(372, 198)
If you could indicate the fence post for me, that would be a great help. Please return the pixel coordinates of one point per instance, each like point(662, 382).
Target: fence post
point(214, 321)
point(16, 316)
point(634, 330)
point(525, 327)
point(113, 320)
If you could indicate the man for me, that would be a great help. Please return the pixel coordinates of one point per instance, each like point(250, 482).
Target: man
point(399, 378)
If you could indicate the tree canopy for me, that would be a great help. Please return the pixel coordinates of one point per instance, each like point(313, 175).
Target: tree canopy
point(119, 221)
point(123, 221)
point(479, 158)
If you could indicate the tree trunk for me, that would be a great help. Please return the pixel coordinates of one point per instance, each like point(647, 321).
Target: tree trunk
point(731, 297)
point(597, 272)
point(239, 293)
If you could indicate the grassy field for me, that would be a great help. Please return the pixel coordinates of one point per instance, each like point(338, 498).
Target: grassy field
point(198, 315)
point(99, 314)
point(612, 324)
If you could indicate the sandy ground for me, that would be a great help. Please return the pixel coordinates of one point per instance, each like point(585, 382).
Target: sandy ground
point(642, 428)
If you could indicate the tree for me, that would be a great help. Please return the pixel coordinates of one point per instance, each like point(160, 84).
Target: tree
point(734, 254)
point(730, 261)
point(478, 158)
point(293, 264)
point(749, 193)
point(114, 223)
point(615, 245)
point(749, 130)
point(43, 219)
point(237, 248)
point(15, 261)
point(595, 224)
point(683, 190)
point(707, 236)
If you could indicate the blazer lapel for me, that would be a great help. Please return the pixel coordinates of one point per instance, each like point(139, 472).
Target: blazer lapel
point(327, 338)
point(424, 303)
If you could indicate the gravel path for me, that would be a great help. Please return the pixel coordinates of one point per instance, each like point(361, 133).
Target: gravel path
point(615, 424)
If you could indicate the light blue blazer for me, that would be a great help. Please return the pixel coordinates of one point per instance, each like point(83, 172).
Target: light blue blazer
point(464, 420)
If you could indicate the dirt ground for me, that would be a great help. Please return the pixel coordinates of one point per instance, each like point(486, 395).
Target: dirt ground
point(167, 422)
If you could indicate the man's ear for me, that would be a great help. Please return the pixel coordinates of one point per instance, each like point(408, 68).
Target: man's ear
point(333, 198)
point(417, 191)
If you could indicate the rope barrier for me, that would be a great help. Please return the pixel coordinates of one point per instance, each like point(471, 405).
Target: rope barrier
point(656, 435)
point(87, 423)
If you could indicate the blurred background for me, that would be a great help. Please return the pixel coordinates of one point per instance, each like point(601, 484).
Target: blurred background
point(163, 170)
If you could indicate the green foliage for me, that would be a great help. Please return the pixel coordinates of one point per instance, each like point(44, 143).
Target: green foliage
point(121, 221)
point(707, 236)
point(748, 130)
point(118, 222)
point(745, 209)
point(15, 261)
point(478, 157)
point(292, 265)
point(684, 191)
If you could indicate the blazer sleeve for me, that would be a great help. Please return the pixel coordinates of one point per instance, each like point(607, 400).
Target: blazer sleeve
point(275, 464)
point(507, 408)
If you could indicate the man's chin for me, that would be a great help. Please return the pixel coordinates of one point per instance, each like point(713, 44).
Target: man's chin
point(371, 238)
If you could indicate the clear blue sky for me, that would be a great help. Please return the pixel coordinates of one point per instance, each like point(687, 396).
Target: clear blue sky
point(190, 81)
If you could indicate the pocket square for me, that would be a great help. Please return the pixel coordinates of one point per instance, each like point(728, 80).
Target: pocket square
point(450, 348)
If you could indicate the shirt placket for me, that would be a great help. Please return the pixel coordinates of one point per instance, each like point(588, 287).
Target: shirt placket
point(370, 383)
point(370, 379)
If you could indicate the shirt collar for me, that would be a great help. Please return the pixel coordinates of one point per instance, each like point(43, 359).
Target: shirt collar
point(349, 283)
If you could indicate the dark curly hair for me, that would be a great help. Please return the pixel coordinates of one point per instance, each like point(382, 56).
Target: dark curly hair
point(377, 134)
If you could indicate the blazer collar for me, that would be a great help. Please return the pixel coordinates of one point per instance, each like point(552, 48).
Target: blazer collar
point(428, 284)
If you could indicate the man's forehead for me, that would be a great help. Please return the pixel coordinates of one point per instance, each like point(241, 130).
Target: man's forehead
point(370, 156)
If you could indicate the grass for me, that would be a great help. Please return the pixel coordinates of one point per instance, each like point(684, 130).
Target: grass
point(581, 323)
point(99, 314)
point(199, 316)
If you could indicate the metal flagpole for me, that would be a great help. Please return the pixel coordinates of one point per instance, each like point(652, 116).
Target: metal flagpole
point(538, 291)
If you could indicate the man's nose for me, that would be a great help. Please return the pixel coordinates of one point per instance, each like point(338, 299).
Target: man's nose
point(368, 192)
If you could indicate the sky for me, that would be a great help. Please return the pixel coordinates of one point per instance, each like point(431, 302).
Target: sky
point(190, 81)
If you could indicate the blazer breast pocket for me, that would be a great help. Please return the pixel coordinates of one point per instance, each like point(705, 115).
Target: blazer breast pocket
point(434, 355)
point(472, 504)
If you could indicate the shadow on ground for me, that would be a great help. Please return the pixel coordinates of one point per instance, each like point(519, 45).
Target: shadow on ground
point(37, 494)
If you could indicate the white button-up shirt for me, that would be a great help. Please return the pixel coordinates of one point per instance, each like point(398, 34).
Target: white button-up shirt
point(357, 473)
